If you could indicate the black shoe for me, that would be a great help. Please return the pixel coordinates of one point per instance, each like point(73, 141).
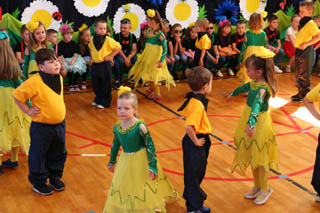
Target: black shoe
point(9, 164)
point(42, 189)
point(295, 96)
point(1, 171)
point(296, 99)
point(117, 85)
point(205, 209)
point(57, 185)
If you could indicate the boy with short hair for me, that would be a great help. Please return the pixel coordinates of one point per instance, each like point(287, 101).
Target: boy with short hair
point(274, 42)
point(102, 50)
point(196, 143)
point(52, 35)
point(21, 46)
point(237, 38)
point(307, 35)
point(48, 152)
point(127, 55)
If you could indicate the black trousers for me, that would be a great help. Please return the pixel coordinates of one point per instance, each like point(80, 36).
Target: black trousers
point(197, 55)
point(194, 163)
point(316, 171)
point(101, 74)
point(47, 154)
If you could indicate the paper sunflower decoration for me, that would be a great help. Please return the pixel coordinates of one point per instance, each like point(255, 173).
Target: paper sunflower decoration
point(91, 8)
point(134, 13)
point(182, 11)
point(41, 10)
point(227, 10)
point(248, 7)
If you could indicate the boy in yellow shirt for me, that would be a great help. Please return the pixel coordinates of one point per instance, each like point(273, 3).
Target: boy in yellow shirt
point(307, 35)
point(196, 143)
point(102, 50)
point(48, 152)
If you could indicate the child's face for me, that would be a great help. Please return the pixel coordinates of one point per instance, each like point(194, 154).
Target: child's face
point(101, 28)
point(241, 29)
point(144, 32)
point(151, 23)
point(85, 36)
point(177, 32)
point(303, 11)
point(295, 22)
point(193, 33)
point(25, 35)
point(210, 28)
point(252, 72)
point(53, 38)
point(273, 24)
point(166, 29)
point(226, 30)
point(125, 109)
point(67, 37)
point(51, 66)
point(40, 34)
point(125, 29)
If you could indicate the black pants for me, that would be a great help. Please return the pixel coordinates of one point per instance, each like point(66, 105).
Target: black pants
point(102, 83)
point(73, 78)
point(84, 75)
point(316, 171)
point(47, 154)
point(194, 163)
point(197, 55)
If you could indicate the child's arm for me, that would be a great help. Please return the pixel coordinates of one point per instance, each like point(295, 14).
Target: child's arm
point(181, 48)
point(110, 57)
point(241, 89)
point(278, 48)
point(151, 152)
point(214, 60)
point(172, 60)
point(74, 58)
point(133, 51)
point(19, 58)
point(203, 53)
point(163, 40)
point(234, 47)
point(192, 135)
point(314, 39)
point(33, 111)
point(113, 154)
point(176, 46)
point(312, 109)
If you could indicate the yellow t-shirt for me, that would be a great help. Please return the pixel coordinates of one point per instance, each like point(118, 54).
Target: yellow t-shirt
point(306, 33)
point(107, 48)
point(314, 95)
point(203, 42)
point(196, 116)
point(51, 104)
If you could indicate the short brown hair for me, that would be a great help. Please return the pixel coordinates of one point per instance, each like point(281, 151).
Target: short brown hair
point(197, 77)
point(45, 54)
point(308, 4)
point(99, 20)
point(256, 21)
point(202, 22)
point(51, 31)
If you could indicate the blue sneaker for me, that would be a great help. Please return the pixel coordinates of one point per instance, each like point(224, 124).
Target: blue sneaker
point(9, 164)
point(205, 209)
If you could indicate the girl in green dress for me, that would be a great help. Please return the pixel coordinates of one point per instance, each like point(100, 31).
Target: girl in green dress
point(138, 184)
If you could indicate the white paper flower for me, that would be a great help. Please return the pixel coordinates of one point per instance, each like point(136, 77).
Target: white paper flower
point(91, 8)
point(183, 12)
point(41, 10)
point(248, 7)
point(134, 13)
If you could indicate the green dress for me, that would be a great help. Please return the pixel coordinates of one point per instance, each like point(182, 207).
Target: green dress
point(132, 190)
point(261, 149)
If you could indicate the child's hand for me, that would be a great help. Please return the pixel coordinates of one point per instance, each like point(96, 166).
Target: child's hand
point(152, 175)
point(229, 53)
point(199, 142)
point(250, 131)
point(111, 168)
point(159, 64)
point(127, 62)
point(33, 111)
point(108, 58)
point(69, 63)
point(215, 60)
point(229, 98)
point(276, 51)
point(172, 60)
point(302, 46)
point(201, 63)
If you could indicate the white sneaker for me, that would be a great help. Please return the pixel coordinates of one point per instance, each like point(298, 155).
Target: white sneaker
point(277, 69)
point(230, 72)
point(76, 88)
point(100, 106)
point(83, 85)
point(93, 104)
point(288, 69)
point(70, 89)
point(262, 197)
point(253, 194)
point(218, 73)
point(318, 198)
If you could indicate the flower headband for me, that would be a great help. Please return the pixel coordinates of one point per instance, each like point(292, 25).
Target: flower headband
point(263, 14)
point(64, 28)
point(151, 13)
point(123, 89)
point(221, 23)
point(264, 54)
point(32, 25)
point(192, 24)
point(143, 25)
point(3, 35)
point(83, 27)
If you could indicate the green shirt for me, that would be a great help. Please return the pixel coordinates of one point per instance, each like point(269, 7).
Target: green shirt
point(10, 83)
point(154, 40)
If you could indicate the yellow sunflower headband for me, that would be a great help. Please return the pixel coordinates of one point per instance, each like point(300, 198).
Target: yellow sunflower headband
point(265, 53)
point(83, 27)
point(151, 13)
point(264, 14)
point(192, 24)
point(123, 89)
point(32, 25)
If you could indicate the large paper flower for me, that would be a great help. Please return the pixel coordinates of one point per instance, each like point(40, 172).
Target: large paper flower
point(91, 8)
point(134, 13)
point(227, 10)
point(248, 7)
point(182, 11)
point(41, 10)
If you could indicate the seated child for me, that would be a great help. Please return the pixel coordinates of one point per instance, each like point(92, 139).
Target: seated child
point(237, 39)
point(21, 46)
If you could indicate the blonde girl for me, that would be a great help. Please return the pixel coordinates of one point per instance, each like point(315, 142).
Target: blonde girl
point(83, 45)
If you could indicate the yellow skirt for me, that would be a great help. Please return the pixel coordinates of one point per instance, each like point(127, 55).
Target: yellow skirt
point(132, 190)
point(261, 149)
point(14, 124)
point(146, 67)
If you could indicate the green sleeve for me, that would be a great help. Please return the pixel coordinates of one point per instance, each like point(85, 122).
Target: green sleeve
point(114, 151)
point(256, 108)
point(241, 89)
point(150, 151)
point(164, 47)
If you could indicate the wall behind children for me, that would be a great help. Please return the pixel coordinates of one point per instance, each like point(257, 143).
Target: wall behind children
point(77, 12)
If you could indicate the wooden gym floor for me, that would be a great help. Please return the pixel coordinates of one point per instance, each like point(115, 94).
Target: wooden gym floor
point(89, 137)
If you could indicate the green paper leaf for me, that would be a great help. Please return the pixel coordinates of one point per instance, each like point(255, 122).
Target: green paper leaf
point(16, 13)
point(290, 11)
point(202, 12)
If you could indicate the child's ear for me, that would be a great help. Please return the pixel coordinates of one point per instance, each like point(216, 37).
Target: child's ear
point(40, 66)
